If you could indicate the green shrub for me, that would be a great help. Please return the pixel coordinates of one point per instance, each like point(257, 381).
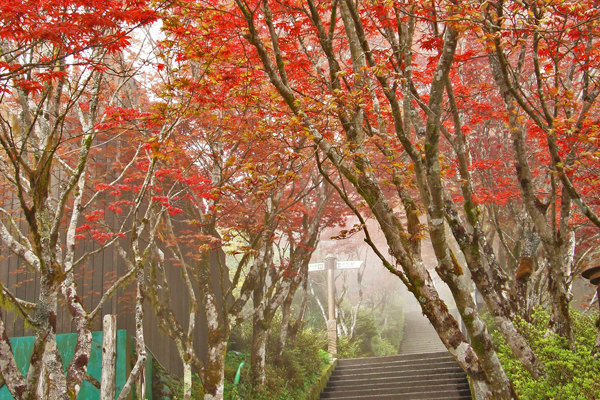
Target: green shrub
point(348, 348)
point(365, 332)
point(394, 331)
point(568, 375)
point(166, 385)
point(303, 362)
point(368, 341)
point(382, 347)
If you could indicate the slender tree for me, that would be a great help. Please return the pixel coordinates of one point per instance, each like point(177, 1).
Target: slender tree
point(55, 104)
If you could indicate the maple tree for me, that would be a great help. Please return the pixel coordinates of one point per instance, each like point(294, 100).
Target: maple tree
point(297, 236)
point(358, 171)
point(471, 124)
point(63, 97)
point(387, 92)
point(160, 188)
point(265, 200)
point(261, 205)
point(551, 102)
point(174, 187)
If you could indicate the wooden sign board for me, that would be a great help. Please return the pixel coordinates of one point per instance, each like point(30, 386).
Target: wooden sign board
point(339, 265)
point(348, 264)
point(316, 267)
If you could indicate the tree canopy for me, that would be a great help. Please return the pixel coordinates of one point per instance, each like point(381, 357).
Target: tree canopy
point(253, 125)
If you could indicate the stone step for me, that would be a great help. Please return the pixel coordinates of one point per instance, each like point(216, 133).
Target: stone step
point(423, 370)
point(423, 386)
point(454, 394)
point(417, 383)
point(401, 380)
point(425, 347)
point(424, 337)
point(398, 380)
point(428, 346)
point(420, 337)
point(403, 358)
point(398, 366)
point(395, 374)
point(398, 357)
point(420, 350)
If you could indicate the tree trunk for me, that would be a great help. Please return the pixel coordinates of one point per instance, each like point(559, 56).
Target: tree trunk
point(286, 311)
point(319, 303)
point(295, 327)
point(11, 375)
point(258, 351)
point(496, 300)
point(596, 349)
point(213, 376)
point(49, 361)
point(137, 372)
point(187, 380)
point(214, 372)
point(554, 248)
point(360, 174)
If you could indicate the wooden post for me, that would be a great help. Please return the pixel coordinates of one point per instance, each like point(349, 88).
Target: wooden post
point(331, 323)
point(141, 384)
point(109, 357)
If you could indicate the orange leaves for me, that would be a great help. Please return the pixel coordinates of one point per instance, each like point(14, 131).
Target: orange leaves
point(29, 86)
point(82, 228)
point(9, 67)
point(197, 184)
point(431, 43)
point(465, 55)
point(115, 190)
point(116, 206)
point(118, 116)
point(95, 215)
point(96, 234)
point(44, 38)
point(71, 25)
point(346, 233)
point(166, 203)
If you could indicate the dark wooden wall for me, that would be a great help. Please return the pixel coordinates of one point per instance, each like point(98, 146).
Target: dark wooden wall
point(95, 276)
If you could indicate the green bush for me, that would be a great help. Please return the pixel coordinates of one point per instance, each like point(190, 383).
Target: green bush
point(568, 375)
point(382, 347)
point(167, 386)
point(303, 362)
point(348, 348)
point(394, 331)
point(368, 341)
point(366, 331)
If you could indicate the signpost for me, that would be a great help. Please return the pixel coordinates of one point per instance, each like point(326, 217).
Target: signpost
point(331, 265)
point(348, 264)
point(316, 267)
point(312, 267)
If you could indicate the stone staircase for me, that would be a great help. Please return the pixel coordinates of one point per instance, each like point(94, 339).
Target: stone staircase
point(411, 376)
point(423, 370)
point(419, 335)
